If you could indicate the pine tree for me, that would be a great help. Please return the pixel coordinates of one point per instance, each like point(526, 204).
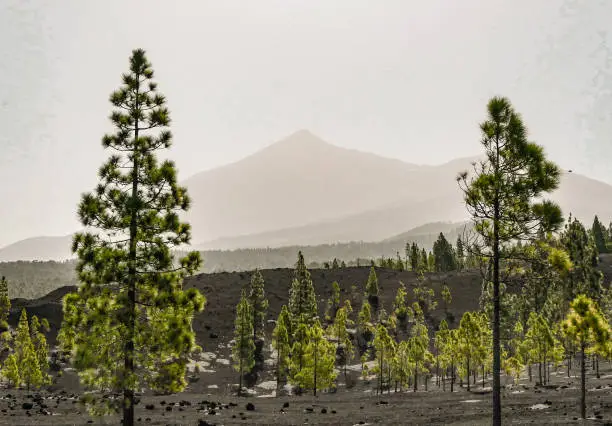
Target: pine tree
point(586, 325)
point(10, 370)
point(317, 372)
point(460, 255)
point(130, 317)
point(400, 306)
point(364, 323)
point(399, 263)
point(298, 349)
point(385, 347)
point(5, 305)
point(414, 257)
point(25, 352)
point(41, 347)
point(371, 287)
point(599, 235)
point(446, 298)
point(423, 261)
point(338, 330)
point(584, 276)
point(500, 199)
point(418, 344)
point(243, 350)
point(444, 256)
point(333, 303)
point(281, 344)
point(259, 305)
point(302, 297)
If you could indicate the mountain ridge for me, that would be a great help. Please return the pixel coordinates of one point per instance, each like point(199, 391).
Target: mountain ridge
point(302, 190)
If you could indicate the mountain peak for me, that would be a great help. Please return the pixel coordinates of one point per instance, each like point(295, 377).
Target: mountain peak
point(302, 137)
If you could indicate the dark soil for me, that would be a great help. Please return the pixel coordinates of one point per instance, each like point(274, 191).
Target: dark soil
point(559, 405)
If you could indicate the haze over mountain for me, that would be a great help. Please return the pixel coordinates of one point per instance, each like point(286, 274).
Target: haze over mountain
point(303, 190)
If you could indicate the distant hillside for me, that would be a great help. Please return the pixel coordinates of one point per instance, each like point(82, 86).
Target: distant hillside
point(451, 231)
point(34, 279)
point(38, 248)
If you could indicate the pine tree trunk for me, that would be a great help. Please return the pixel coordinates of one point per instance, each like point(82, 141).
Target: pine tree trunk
point(128, 361)
point(315, 367)
point(540, 372)
point(582, 382)
point(483, 376)
point(597, 367)
point(240, 380)
point(468, 373)
point(416, 377)
point(452, 377)
point(497, 415)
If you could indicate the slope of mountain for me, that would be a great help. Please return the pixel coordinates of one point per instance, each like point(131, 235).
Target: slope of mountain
point(450, 230)
point(304, 191)
point(38, 248)
point(298, 181)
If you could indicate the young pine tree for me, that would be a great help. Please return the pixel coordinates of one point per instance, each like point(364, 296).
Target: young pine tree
point(318, 371)
point(302, 297)
point(280, 342)
point(371, 288)
point(131, 318)
point(585, 325)
point(599, 236)
point(333, 303)
point(243, 351)
point(5, 305)
point(27, 358)
point(501, 196)
point(10, 370)
point(414, 257)
point(39, 340)
point(259, 305)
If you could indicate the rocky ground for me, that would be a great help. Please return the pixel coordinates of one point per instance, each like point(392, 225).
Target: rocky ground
point(208, 399)
point(205, 403)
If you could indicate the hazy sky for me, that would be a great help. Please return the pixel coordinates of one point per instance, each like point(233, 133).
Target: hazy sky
point(405, 79)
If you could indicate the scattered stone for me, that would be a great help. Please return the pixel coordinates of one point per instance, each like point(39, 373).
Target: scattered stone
point(150, 407)
point(308, 410)
point(323, 410)
point(250, 406)
point(213, 335)
point(286, 404)
point(333, 411)
point(27, 405)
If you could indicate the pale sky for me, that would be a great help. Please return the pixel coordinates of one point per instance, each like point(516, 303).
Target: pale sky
point(404, 79)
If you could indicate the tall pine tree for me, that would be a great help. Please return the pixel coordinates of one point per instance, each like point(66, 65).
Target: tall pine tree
point(130, 319)
point(599, 235)
point(302, 297)
point(500, 198)
point(243, 350)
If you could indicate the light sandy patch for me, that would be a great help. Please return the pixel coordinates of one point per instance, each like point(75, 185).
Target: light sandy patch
point(268, 385)
point(208, 356)
point(212, 387)
point(539, 406)
point(472, 400)
point(271, 395)
point(223, 361)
